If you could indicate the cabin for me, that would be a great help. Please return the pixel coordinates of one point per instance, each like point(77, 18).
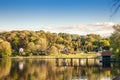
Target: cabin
point(21, 50)
point(106, 56)
point(42, 52)
point(106, 60)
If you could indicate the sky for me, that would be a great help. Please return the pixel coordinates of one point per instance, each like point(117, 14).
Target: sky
point(70, 16)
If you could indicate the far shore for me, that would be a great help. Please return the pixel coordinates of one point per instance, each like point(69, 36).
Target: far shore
point(84, 55)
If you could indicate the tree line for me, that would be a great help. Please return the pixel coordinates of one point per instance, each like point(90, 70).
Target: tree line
point(41, 42)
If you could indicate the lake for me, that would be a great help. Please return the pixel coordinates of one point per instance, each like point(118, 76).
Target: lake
point(48, 69)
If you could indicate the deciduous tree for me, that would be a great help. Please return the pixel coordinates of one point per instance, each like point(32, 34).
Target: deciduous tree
point(5, 48)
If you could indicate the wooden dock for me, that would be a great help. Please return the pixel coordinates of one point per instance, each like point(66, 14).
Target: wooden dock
point(76, 61)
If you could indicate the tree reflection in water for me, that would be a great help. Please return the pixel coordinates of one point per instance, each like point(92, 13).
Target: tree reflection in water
point(5, 66)
point(40, 69)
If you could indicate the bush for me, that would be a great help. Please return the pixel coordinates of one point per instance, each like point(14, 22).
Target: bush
point(86, 51)
point(14, 53)
point(23, 54)
point(29, 54)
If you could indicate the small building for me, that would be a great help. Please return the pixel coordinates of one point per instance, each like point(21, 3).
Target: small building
point(106, 56)
point(100, 50)
point(66, 50)
point(21, 50)
point(106, 60)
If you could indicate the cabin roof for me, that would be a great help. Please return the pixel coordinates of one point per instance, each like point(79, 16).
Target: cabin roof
point(106, 53)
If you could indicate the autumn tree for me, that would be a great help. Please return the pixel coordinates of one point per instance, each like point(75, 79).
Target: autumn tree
point(5, 48)
point(53, 50)
point(30, 48)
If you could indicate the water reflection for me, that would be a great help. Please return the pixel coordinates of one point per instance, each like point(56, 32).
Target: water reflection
point(41, 69)
point(5, 66)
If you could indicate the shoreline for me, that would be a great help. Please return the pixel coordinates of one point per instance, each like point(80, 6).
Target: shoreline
point(58, 56)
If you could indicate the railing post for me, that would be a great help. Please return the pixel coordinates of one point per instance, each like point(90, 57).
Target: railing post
point(86, 61)
point(57, 62)
point(79, 62)
point(94, 61)
point(71, 62)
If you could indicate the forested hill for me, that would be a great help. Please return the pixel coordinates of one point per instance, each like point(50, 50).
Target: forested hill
point(35, 42)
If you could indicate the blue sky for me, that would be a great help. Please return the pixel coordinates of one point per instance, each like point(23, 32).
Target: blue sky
point(55, 15)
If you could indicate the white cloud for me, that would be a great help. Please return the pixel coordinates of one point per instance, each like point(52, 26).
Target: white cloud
point(104, 24)
point(103, 29)
point(2, 29)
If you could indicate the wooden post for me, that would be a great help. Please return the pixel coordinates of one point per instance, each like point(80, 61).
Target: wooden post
point(86, 61)
point(57, 62)
point(79, 62)
point(64, 62)
point(94, 61)
point(71, 62)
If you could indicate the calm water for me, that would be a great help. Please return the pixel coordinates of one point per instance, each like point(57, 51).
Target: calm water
point(46, 69)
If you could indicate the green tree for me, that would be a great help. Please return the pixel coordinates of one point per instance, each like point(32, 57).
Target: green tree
point(30, 47)
point(5, 48)
point(42, 43)
point(105, 44)
point(53, 50)
point(115, 40)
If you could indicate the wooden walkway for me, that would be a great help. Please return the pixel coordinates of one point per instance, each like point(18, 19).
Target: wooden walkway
point(78, 62)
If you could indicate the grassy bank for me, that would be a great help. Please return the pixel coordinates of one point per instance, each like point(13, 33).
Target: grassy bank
point(78, 55)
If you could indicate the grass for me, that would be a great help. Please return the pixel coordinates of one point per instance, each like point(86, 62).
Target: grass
point(78, 55)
